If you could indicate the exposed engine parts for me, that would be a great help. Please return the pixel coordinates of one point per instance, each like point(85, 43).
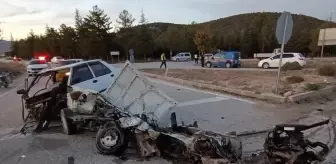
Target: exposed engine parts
point(286, 144)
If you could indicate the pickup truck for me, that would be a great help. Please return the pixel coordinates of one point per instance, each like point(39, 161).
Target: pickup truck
point(261, 56)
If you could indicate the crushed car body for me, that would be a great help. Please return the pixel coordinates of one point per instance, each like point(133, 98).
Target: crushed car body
point(44, 101)
point(133, 109)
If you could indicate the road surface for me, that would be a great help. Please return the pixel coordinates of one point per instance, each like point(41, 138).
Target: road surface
point(213, 111)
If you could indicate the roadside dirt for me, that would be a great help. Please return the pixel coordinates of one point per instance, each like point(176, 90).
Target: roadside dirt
point(256, 81)
point(13, 67)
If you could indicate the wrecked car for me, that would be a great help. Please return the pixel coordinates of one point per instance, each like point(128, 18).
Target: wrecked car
point(132, 108)
point(287, 144)
point(44, 102)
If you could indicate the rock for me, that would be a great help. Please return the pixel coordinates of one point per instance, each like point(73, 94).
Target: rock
point(287, 94)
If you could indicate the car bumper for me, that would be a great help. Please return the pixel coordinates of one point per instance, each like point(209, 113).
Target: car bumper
point(33, 72)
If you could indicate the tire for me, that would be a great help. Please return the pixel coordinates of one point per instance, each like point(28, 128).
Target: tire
point(228, 65)
point(208, 64)
point(111, 133)
point(177, 60)
point(265, 65)
point(69, 127)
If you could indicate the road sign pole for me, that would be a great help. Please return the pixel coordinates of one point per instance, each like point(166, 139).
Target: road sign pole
point(281, 54)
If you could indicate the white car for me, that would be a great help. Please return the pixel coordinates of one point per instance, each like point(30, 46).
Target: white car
point(94, 75)
point(273, 62)
point(35, 66)
point(183, 56)
point(56, 59)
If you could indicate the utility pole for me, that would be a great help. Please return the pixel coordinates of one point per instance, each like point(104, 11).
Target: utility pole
point(324, 34)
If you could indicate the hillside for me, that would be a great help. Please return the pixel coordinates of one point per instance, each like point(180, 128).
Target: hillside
point(255, 30)
point(248, 33)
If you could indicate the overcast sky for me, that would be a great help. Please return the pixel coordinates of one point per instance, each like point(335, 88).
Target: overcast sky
point(19, 16)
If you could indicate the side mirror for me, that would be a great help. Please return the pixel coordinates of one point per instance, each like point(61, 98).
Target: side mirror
point(271, 58)
point(20, 91)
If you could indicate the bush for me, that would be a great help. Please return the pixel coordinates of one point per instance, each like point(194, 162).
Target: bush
point(313, 87)
point(327, 70)
point(294, 79)
point(291, 66)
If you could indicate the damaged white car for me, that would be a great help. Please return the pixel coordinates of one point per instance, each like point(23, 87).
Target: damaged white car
point(133, 109)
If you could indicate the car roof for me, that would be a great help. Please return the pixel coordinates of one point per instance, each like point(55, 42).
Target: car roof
point(71, 59)
point(67, 66)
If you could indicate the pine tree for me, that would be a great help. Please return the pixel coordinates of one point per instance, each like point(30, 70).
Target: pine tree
point(143, 19)
point(125, 19)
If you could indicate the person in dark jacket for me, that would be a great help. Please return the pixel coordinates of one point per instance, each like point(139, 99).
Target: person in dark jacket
point(202, 60)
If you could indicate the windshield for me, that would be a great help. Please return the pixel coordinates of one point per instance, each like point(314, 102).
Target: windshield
point(33, 62)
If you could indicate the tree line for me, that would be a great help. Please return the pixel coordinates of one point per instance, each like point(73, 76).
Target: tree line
point(93, 36)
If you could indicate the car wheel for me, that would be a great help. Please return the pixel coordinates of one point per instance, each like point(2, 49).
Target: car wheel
point(228, 65)
point(208, 64)
point(177, 60)
point(68, 126)
point(265, 65)
point(111, 140)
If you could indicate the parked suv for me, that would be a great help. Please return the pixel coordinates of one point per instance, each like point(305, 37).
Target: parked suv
point(273, 62)
point(183, 56)
point(224, 59)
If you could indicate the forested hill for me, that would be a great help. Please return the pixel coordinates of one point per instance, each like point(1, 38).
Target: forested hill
point(249, 33)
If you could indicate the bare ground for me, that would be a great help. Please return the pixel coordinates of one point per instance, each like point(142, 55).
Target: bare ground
point(256, 81)
point(16, 67)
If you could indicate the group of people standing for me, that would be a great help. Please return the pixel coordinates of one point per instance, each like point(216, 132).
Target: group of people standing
point(164, 60)
point(196, 58)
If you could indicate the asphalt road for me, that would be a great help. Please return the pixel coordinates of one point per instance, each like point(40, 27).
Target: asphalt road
point(217, 112)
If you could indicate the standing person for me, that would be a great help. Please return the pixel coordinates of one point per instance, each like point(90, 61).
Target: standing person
point(202, 60)
point(196, 58)
point(163, 60)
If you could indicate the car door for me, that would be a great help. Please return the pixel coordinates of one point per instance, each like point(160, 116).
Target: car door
point(187, 56)
point(287, 58)
point(274, 62)
point(182, 57)
point(221, 60)
point(104, 75)
point(82, 77)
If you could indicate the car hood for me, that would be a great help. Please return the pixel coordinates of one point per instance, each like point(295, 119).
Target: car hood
point(38, 66)
point(133, 93)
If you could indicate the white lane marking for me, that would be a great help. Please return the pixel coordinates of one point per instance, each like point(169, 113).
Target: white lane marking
point(197, 90)
point(6, 93)
point(201, 101)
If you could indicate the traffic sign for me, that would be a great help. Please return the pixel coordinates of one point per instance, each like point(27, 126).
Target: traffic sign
point(114, 53)
point(284, 27)
point(283, 33)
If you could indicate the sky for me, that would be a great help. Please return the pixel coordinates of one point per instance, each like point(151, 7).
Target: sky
point(21, 16)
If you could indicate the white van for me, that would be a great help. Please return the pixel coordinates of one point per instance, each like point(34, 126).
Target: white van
point(182, 56)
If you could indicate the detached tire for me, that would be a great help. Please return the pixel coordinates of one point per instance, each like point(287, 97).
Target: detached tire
point(69, 127)
point(111, 140)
